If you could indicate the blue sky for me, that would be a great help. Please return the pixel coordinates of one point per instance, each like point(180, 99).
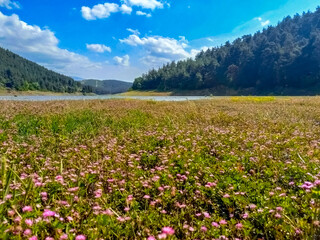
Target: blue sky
point(121, 39)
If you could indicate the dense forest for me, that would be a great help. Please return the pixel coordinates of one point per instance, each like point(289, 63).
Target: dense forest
point(21, 74)
point(274, 60)
point(107, 86)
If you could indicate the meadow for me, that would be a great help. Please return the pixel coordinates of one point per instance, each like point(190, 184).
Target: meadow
point(232, 168)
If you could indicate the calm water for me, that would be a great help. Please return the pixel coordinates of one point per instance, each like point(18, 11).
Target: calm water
point(100, 97)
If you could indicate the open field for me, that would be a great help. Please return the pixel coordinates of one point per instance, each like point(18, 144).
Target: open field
point(236, 168)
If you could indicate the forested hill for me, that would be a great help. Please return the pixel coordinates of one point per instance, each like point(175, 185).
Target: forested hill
point(21, 74)
point(276, 60)
point(107, 86)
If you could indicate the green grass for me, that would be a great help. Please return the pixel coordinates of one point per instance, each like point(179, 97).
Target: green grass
point(125, 169)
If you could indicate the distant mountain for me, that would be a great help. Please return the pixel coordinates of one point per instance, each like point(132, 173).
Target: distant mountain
point(107, 86)
point(21, 74)
point(284, 59)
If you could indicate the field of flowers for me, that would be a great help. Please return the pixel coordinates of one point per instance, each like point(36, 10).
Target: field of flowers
point(238, 168)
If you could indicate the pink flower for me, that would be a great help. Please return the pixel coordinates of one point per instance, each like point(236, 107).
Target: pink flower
point(33, 238)
point(277, 215)
point(239, 226)
point(27, 232)
point(29, 222)
point(64, 237)
point(245, 216)
point(151, 238)
point(307, 185)
point(215, 224)
point(168, 230)
point(162, 236)
point(48, 213)
point(223, 222)
point(59, 179)
point(81, 237)
point(44, 194)
point(74, 189)
point(203, 229)
point(27, 209)
point(49, 238)
point(226, 196)
point(206, 215)
point(146, 197)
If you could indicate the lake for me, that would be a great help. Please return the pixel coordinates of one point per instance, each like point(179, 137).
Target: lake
point(100, 97)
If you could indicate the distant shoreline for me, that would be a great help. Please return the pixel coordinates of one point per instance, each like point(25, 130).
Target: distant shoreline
point(4, 92)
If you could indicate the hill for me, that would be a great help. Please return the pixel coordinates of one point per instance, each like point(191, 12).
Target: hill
point(107, 86)
point(284, 59)
point(18, 73)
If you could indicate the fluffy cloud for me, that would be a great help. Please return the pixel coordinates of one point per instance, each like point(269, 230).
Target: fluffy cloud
point(157, 46)
point(100, 11)
point(100, 48)
point(123, 61)
point(263, 23)
point(9, 4)
point(140, 13)
point(147, 4)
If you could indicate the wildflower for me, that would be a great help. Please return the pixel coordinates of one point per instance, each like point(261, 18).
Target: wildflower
point(168, 230)
point(146, 197)
point(63, 237)
point(59, 179)
point(226, 196)
point(74, 189)
point(27, 232)
point(239, 226)
point(279, 209)
point(151, 238)
point(81, 237)
point(203, 229)
point(215, 224)
point(49, 238)
point(298, 231)
point(223, 222)
point(48, 213)
point(191, 229)
point(245, 216)
point(28, 222)
point(277, 215)
point(206, 215)
point(162, 236)
point(33, 238)
point(307, 185)
point(27, 209)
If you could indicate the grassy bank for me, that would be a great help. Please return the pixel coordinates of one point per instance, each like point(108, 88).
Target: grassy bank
point(5, 92)
point(245, 168)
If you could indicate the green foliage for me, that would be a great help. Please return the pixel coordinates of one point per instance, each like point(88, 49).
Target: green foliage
point(277, 60)
point(23, 75)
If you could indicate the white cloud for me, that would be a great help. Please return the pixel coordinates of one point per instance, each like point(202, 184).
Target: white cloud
point(157, 50)
point(99, 11)
point(125, 9)
point(100, 48)
point(140, 13)
point(263, 23)
point(9, 4)
point(147, 4)
point(123, 61)
point(158, 46)
point(134, 31)
point(41, 46)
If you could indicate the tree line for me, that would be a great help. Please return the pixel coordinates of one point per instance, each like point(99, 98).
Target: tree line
point(286, 56)
point(21, 74)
